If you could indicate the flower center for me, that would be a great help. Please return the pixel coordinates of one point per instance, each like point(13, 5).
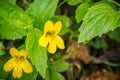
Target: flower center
point(19, 59)
point(50, 33)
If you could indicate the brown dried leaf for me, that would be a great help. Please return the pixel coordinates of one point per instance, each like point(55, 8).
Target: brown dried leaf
point(78, 51)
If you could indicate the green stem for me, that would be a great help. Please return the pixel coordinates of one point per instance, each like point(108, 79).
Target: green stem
point(112, 64)
point(61, 3)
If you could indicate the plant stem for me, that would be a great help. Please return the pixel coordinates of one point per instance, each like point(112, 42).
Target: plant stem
point(61, 3)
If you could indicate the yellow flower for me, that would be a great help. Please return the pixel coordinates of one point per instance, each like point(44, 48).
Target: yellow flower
point(50, 37)
point(18, 63)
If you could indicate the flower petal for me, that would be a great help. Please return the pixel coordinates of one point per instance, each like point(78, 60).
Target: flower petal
point(13, 51)
point(23, 53)
point(52, 47)
point(59, 42)
point(9, 65)
point(43, 41)
point(57, 27)
point(17, 71)
point(27, 67)
point(48, 26)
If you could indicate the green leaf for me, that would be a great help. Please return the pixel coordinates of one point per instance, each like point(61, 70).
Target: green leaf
point(61, 65)
point(115, 35)
point(3, 74)
point(81, 11)
point(8, 31)
point(14, 15)
point(13, 21)
point(61, 77)
point(118, 23)
point(41, 11)
point(48, 74)
point(21, 47)
point(65, 23)
point(98, 43)
point(12, 1)
point(1, 51)
point(37, 54)
point(51, 74)
point(31, 76)
point(74, 2)
point(57, 55)
point(108, 2)
point(100, 19)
